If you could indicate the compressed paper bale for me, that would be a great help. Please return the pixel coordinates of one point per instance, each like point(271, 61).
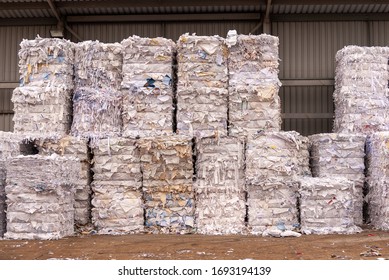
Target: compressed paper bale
point(147, 86)
point(96, 113)
point(220, 213)
point(166, 161)
point(274, 154)
point(46, 62)
point(272, 204)
point(327, 205)
point(98, 65)
point(253, 87)
point(360, 94)
point(220, 165)
point(40, 196)
point(377, 150)
point(117, 181)
point(202, 81)
point(3, 207)
point(10, 145)
point(41, 111)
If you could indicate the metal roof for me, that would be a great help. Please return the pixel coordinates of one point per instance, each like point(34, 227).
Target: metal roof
point(40, 9)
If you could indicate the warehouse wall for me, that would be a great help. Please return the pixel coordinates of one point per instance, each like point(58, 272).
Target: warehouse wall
point(307, 52)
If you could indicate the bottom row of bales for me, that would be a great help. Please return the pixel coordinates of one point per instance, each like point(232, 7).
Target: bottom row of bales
point(174, 184)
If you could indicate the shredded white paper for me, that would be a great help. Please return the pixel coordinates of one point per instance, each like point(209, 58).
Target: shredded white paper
point(117, 181)
point(3, 207)
point(220, 186)
point(202, 93)
point(147, 86)
point(342, 155)
point(42, 102)
point(377, 152)
point(40, 196)
point(253, 86)
point(327, 205)
point(76, 147)
point(167, 171)
point(361, 94)
point(272, 206)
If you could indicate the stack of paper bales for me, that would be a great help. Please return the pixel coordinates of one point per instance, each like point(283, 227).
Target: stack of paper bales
point(220, 186)
point(342, 155)
point(42, 102)
point(147, 86)
point(9, 147)
point(360, 97)
point(253, 87)
point(327, 205)
point(377, 150)
point(202, 86)
point(273, 162)
point(167, 169)
point(97, 99)
point(40, 196)
point(76, 147)
point(117, 181)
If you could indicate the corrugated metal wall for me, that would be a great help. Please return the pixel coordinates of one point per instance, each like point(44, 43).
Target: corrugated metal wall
point(307, 52)
point(10, 38)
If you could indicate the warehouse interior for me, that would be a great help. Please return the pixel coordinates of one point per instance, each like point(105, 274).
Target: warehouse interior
point(310, 34)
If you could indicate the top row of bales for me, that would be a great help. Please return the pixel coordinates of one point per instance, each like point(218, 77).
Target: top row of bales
point(201, 86)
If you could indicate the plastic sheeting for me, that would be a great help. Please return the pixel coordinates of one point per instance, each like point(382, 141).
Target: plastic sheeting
point(202, 93)
point(281, 154)
point(272, 206)
point(327, 205)
point(167, 170)
point(147, 86)
point(40, 196)
point(96, 113)
point(42, 102)
point(117, 181)
point(76, 147)
point(377, 151)
point(220, 186)
point(98, 65)
point(360, 96)
point(253, 87)
point(341, 155)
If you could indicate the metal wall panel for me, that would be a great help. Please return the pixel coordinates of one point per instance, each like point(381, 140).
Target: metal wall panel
point(307, 49)
point(379, 33)
point(6, 113)
point(10, 38)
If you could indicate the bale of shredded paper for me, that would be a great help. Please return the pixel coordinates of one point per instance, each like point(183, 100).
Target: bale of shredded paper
point(98, 65)
point(327, 205)
point(377, 150)
point(220, 213)
point(281, 154)
point(40, 196)
point(3, 208)
point(117, 181)
point(202, 94)
point(220, 186)
point(147, 86)
point(360, 96)
point(167, 171)
point(220, 165)
point(272, 205)
point(42, 102)
point(46, 63)
point(9, 144)
point(342, 155)
point(76, 147)
point(253, 86)
point(96, 113)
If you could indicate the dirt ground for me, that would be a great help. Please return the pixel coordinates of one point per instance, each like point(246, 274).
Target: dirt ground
point(370, 244)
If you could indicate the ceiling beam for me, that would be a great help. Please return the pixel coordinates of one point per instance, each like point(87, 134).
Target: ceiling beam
point(27, 21)
point(330, 17)
point(329, 2)
point(24, 6)
point(163, 17)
